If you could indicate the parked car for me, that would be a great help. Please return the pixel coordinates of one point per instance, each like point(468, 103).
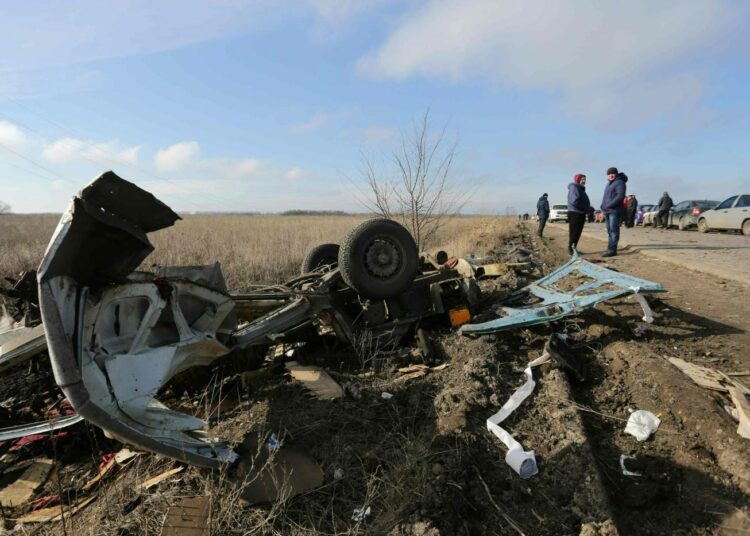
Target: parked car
point(730, 214)
point(640, 213)
point(649, 217)
point(685, 214)
point(558, 213)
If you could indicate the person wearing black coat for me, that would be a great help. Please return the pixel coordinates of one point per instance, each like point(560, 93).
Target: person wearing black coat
point(631, 211)
point(612, 205)
point(542, 211)
point(665, 205)
point(578, 207)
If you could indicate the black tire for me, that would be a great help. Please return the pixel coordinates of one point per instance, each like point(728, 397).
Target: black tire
point(322, 255)
point(379, 259)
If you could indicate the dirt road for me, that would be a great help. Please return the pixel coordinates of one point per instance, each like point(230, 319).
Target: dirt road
point(724, 255)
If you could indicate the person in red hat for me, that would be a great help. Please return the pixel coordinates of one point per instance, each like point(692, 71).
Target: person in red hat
point(578, 207)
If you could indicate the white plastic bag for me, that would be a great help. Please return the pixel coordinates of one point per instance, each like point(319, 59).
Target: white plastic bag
point(642, 424)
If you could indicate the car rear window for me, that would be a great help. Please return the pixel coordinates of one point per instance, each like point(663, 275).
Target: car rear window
point(706, 204)
point(559, 207)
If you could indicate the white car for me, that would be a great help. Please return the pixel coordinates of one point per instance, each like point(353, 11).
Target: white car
point(558, 213)
point(730, 214)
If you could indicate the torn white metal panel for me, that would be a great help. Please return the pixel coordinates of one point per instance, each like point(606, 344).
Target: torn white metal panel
point(113, 342)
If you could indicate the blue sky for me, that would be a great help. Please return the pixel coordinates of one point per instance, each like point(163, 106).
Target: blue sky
point(269, 105)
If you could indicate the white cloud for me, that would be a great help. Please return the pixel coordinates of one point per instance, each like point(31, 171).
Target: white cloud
point(606, 58)
point(333, 16)
point(185, 156)
point(74, 149)
point(177, 157)
point(375, 134)
point(11, 136)
point(314, 123)
point(295, 173)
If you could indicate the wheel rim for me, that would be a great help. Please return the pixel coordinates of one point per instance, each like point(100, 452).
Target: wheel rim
point(382, 258)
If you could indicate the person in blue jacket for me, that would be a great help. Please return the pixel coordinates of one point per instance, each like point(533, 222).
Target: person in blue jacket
point(578, 208)
point(542, 211)
point(612, 203)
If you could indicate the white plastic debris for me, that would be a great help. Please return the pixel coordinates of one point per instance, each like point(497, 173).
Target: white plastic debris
point(338, 474)
point(521, 461)
point(360, 514)
point(642, 424)
point(648, 315)
point(625, 471)
point(386, 396)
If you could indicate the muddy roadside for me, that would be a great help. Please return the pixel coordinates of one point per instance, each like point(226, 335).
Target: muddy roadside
point(421, 461)
point(696, 467)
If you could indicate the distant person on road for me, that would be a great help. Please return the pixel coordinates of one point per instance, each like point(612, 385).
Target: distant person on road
point(578, 207)
point(612, 203)
point(631, 211)
point(662, 217)
point(542, 211)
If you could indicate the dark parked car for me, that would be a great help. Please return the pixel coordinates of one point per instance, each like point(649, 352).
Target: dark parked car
point(685, 214)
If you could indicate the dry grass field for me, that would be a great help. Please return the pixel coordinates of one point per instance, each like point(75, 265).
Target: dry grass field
point(252, 249)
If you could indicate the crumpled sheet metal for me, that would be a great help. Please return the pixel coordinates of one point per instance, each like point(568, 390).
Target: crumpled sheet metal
point(114, 341)
point(556, 303)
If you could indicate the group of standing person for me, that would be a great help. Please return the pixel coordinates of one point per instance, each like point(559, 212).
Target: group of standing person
point(579, 207)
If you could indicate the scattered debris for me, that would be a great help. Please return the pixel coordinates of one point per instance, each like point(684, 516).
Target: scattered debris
point(20, 491)
point(187, 517)
point(55, 513)
point(742, 408)
point(625, 471)
point(151, 482)
point(266, 475)
point(641, 424)
point(360, 514)
point(543, 301)
point(385, 395)
point(559, 347)
point(338, 474)
point(316, 380)
point(521, 461)
point(108, 465)
point(703, 376)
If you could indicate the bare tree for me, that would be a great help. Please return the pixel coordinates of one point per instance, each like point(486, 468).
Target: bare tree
point(418, 188)
point(4, 208)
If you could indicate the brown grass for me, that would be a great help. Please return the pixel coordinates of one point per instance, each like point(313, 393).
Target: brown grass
point(251, 249)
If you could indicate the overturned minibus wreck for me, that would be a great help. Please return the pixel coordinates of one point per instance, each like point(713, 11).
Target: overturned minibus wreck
point(117, 336)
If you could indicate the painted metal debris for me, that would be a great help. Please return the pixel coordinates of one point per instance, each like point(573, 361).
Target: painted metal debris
point(545, 300)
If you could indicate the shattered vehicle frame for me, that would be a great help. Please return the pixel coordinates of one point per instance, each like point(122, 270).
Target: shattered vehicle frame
point(117, 336)
point(576, 285)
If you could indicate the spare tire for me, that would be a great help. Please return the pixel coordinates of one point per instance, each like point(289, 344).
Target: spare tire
point(379, 259)
point(322, 255)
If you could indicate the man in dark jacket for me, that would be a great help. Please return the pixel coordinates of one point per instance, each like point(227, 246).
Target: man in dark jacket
point(542, 210)
point(662, 217)
point(631, 211)
point(612, 203)
point(578, 207)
